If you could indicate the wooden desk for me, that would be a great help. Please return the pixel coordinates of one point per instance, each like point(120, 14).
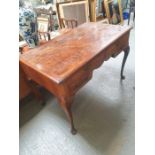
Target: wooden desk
point(66, 63)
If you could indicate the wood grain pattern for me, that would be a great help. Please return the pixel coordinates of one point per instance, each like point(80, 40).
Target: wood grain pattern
point(64, 64)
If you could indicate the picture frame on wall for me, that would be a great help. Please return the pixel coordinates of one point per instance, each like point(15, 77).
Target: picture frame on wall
point(103, 9)
point(76, 10)
point(113, 9)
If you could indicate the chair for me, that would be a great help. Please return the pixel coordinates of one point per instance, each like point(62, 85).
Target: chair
point(43, 28)
point(45, 17)
point(68, 23)
point(42, 12)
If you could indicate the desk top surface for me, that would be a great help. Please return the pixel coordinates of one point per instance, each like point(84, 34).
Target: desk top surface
point(65, 54)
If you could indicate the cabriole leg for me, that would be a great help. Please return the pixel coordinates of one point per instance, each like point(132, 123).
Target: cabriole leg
point(126, 53)
point(66, 105)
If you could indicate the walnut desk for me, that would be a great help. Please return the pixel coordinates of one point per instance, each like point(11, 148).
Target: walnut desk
point(66, 63)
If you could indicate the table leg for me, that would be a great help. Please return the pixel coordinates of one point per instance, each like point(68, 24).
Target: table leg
point(66, 105)
point(126, 52)
point(129, 18)
point(36, 92)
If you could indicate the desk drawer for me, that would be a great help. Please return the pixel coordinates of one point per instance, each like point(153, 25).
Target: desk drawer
point(117, 47)
point(78, 80)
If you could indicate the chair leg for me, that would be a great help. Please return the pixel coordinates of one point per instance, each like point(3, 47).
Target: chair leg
point(48, 35)
point(44, 36)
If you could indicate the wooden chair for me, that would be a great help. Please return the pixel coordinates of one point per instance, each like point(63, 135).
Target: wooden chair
point(43, 28)
point(47, 12)
point(68, 23)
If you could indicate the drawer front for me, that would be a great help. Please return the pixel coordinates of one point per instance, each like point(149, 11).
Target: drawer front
point(117, 47)
point(78, 80)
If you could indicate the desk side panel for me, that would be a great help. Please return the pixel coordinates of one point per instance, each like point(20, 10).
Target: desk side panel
point(42, 80)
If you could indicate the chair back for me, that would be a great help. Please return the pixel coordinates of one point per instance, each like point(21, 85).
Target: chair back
point(69, 23)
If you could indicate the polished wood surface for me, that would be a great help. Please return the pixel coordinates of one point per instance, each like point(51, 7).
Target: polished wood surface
point(64, 64)
point(26, 48)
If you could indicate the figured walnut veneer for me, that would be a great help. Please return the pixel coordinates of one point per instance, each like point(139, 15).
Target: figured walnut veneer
point(66, 63)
